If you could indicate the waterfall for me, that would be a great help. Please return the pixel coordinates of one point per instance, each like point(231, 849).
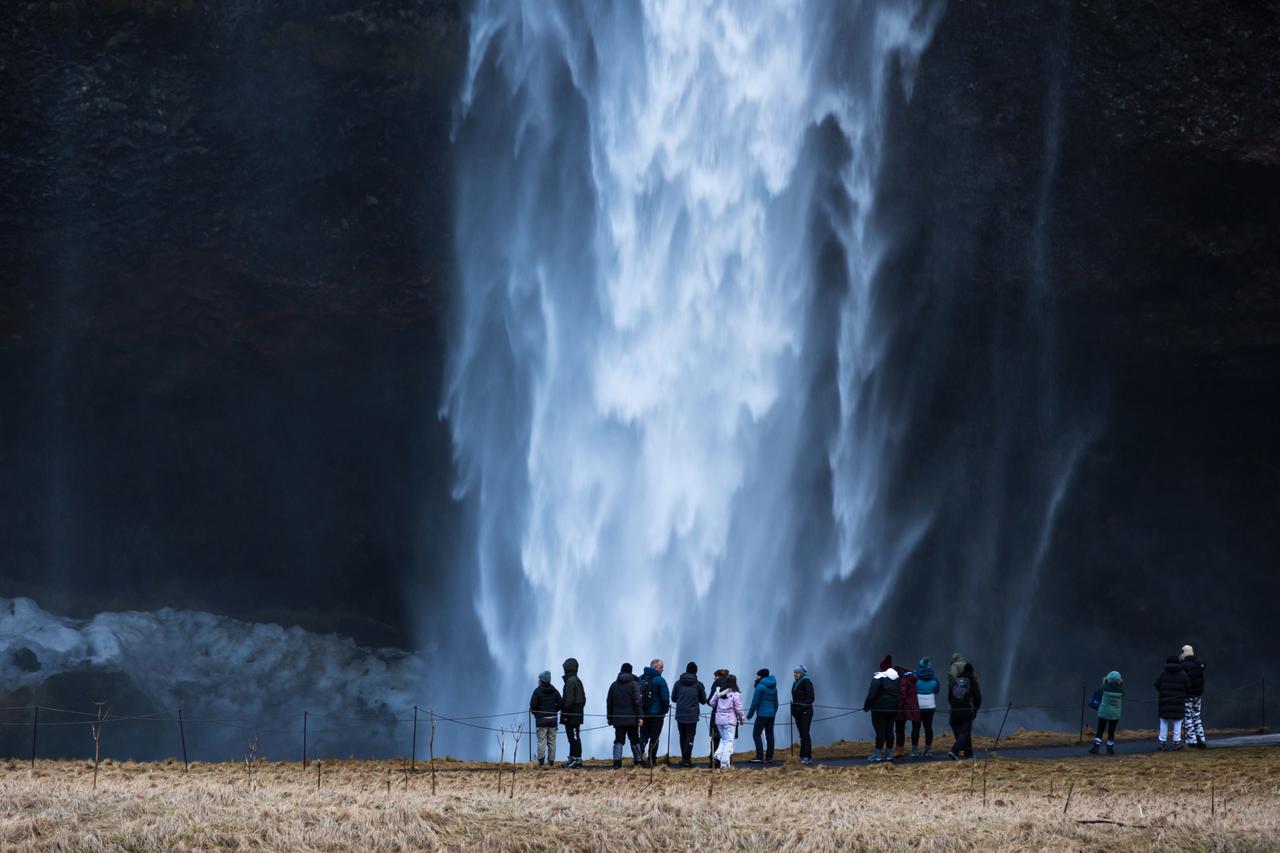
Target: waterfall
point(665, 254)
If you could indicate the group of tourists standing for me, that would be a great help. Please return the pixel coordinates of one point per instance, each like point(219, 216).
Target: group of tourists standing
point(637, 708)
point(1179, 701)
point(901, 694)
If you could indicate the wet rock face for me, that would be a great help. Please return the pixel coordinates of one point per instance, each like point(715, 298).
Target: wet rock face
point(225, 245)
point(1120, 157)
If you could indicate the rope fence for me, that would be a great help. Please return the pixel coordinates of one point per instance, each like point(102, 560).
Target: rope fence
point(520, 720)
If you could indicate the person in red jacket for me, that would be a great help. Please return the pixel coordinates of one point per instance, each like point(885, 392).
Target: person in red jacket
point(908, 708)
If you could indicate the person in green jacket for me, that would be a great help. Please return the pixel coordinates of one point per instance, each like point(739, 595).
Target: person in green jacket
point(1109, 712)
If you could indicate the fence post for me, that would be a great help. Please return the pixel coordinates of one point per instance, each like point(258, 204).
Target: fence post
point(1264, 704)
point(1080, 739)
point(304, 744)
point(996, 745)
point(182, 733)
point(413, 755)
point(791, 731)
point(35, 728)
point(532, 733)
point(670, 725)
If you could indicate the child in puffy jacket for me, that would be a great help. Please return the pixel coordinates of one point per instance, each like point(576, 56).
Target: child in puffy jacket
point(1109, 712)
point(726, 715)
point(927, 698)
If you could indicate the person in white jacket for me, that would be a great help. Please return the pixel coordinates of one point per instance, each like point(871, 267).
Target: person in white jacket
point(726, 714)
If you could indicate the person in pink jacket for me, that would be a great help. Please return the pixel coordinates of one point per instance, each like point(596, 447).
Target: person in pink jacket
point(726, 714)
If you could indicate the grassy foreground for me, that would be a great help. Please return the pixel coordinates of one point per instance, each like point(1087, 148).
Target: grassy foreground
point(1163, 799)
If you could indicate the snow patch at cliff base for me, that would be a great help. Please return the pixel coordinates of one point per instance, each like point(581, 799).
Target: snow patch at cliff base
point(231, 678)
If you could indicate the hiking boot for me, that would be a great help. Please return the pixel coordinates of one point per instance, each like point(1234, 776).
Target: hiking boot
point(928, 753)
point(1093, 750)
point(915, 753)
point(617, 764)
point(1177, 745)
point(1160, 746)
point(1111, 749)
point(1202, 744)
point(541, 762)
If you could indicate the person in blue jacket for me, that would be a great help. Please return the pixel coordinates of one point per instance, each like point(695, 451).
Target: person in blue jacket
point(927, 695)
point(653, 688)
point(764, 707)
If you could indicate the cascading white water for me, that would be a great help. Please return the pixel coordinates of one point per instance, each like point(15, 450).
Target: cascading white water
point(639, 190)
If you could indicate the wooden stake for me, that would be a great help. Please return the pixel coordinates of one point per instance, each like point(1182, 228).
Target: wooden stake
point(304, 740)
point(973, 769)
point(984, 783)
point(413, 754)
point(502, 755)
point(1070, 791)
point(182, 733)
point(433, 751)
point(35, 730)
point(317, 777)
point(1213, 801)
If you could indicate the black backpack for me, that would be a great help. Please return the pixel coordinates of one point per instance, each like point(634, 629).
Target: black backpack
point(648, 694)
point(960, 690)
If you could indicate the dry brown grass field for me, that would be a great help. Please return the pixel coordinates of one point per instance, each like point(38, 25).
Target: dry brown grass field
point(1221, 799)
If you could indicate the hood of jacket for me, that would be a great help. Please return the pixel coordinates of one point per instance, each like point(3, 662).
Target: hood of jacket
point(768, 683)
point(625, 678)
point(1113, 679)
point(925, 673)
point(1173, 667)
point(571, 666)
point(651, 673)
point(688, 678)
point(890, 673)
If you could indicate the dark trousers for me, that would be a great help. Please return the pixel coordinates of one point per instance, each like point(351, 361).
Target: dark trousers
point(651, 735)
point(962, 727)
point(688, 731)
point(926, 718)
point(573, 731)
point(1106, 731)
point(621, 734)
point(763, 727)
point(882, 721)
point(804, 719)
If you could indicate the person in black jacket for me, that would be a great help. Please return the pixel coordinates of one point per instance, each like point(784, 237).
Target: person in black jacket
point(1192, 725)
point(965, 698)
point(802, 699)
point(545, 704)
point(689, 695)
point(882, 702)
point(623, 712)
point(1171, 690)
point(575, 702)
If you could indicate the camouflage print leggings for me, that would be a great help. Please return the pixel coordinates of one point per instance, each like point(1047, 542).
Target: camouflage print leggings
point(1192, 726)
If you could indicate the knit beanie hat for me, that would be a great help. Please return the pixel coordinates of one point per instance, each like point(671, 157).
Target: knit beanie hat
point(1187, 652)
point(762, 673)
point(545, 676)
point(925, 663)
point(802, 669)
point(626, 667)
point(692, 668)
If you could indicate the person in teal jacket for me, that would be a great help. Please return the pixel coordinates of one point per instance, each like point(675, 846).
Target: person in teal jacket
point(764, 707)
point(1109, 712)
